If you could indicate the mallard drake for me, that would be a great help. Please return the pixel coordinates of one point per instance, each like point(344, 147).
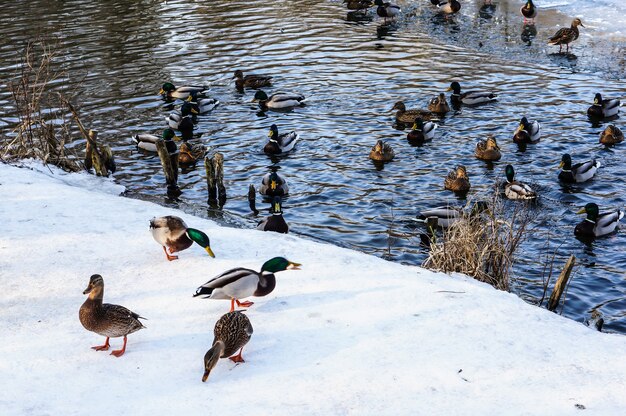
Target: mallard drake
point(231, 333)
point(176, 117)
point(529, 11)
point(596, 224)
point(527, 132)
point(471, 97)
point(273, 184)
point(447, 6)
point(604, 108)
point(579, 172)
point(457, 180)
point(421, 132)
point(278, 101)
point(251, 81)
point(147, 141)
point(439, 105)
point(488, 149)
point(407, 117)
point(239, 283)
point(382, 152)
point(110, 321)
point(566, 35)
point(173, 234)
point(189, 154)
point(202, 105)
point(386, 9)
point(611, 135)
point(514, 189)
point(186, 124)
point(170, 91)
point(275, 221)
point(358, 4)
point(447, 216)
point(280, 143)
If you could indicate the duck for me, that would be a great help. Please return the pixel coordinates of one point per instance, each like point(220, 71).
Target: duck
point(186, 125)
point(174, 235)
point(278, 101)
point(189, 154)
point(110, 321)
point(231, 333)
point(251, 81)
point(528, 11)
point(421, 132)
point(439, 105)
point(170, 91)
point(386, 9)
point(527, 132)
point(566, 35)
point(240, 282)
point(202, 105)
point(280, 143)
point(457, 180)
point(447, 216)
point(580, 172)
point(611, 135)
point(275, 221)
point(471, 97)
point(382, 152)
point(273, 184)
point(147, 141)
point(596, 224)
point(188, 109)
point(604, 108)
point(407, 117)
point(447, 6)
point(358, 4)
point(488, 150)
point(517, 190)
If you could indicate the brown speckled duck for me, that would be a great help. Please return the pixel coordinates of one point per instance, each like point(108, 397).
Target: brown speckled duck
point(173, 234)
point(566, 35)
point(189, 154)
point(488, 149)
point(457, 180)
point(439, 105)
point(407, 117)
point(251, 81)
point(110, 321)
point(611, 135)
point(382, 152)
point(231, 333)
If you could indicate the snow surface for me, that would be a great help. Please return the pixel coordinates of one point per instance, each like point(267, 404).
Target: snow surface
point(348, 334)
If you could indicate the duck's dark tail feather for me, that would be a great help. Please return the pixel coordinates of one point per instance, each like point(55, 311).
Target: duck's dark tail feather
point(203, 291)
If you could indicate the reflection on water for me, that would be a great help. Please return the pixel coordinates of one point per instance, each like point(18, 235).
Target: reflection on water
point(352, 68)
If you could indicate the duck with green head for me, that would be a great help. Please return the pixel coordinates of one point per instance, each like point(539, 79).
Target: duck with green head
point(580, 172)
point(169, 91)
point(604, 107)
point(147, 141)
point(279, 101)
point(597, 224)
point(273, 184)
point(280, 143)
point(275, 221)
point(421, 132)
point(529, 11)
point(174, 235)
point(470, 97)
point(240, 282)
point(514, 189)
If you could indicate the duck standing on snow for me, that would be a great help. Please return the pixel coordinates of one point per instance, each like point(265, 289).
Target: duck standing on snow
point(469, 98)
point(421, 132)
point(169, 91)
point(611, 135)
point(239, 283)
point(231, 333)
point(110, 321)
point(604, 108)
point(566, 35)
point(527, 132)
point(439, 105)
point(406, 117)
point(174, 235)
point(580, 172)
point(382, 152)
point(517, 190)
point(273, 184)
point(278, 101)
point(488, 150)
point(386, 10)
point(147, 142)
point(280, 143)
point(596, 224)
point(529, 11)
point(251, 81)
point(275, 221)
point(457, 180)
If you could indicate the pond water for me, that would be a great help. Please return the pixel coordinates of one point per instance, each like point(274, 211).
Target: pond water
point(352, 68)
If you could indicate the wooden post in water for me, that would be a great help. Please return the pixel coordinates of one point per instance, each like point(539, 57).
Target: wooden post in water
point(169, 161)
point(252, 199)
point(561, 283)
point(214, 167)
point(210, 179)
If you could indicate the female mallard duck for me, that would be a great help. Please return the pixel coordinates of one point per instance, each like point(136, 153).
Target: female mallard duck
point(170, 91)
point(386, 10)
point(189, 154)
point(579, 172)
point(447, 216)
point(527, 132)
point(251, 81)
point(529, 11)
point(110, 321)
point(447, 6)
point(239, 283)
point(488, 150)
point(273, 184)
point(202, 105)
point(421, 132)
point(275, 221)
point(566, 35)
point(514, 189)
point(358, 4)
point(469, 98)
point(280, 143)
point(231, 333)
point(172, 233)
point(457, 180)
point(604, 108)
point(382, 152)
point(278, 101)
point(147, 142)
point(596, 224)
point(611, 135)
point(439, 105)
point(407, 117)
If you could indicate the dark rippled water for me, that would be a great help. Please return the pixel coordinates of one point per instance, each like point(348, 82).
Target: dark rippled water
point(352, 68)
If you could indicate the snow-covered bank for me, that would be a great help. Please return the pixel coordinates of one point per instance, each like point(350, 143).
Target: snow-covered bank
point(348, 334)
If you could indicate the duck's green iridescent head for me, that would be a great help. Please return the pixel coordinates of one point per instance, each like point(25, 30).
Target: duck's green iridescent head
point(418, 124)
point(167, 88)
point(260, 95)
point(201, 238)
point(455, 87)
point(597, 99)
point(279, 264)
point(273, 134)
point(168, 134)
point(510, 173)
point(566, 162)
point(592, 211)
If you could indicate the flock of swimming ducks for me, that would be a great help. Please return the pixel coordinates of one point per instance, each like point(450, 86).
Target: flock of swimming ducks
point(233, 330)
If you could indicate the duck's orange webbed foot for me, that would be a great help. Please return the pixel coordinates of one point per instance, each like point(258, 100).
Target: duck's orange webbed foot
point(119, 353)
point(102, 347)
point(169, 256)
point(237, 358)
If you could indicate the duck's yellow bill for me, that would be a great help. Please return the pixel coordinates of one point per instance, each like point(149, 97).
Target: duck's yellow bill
point(582, 211)
point(561, 164)
point(208, 250)
point(449, 89)
point(293, 266)
point(161, 91)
